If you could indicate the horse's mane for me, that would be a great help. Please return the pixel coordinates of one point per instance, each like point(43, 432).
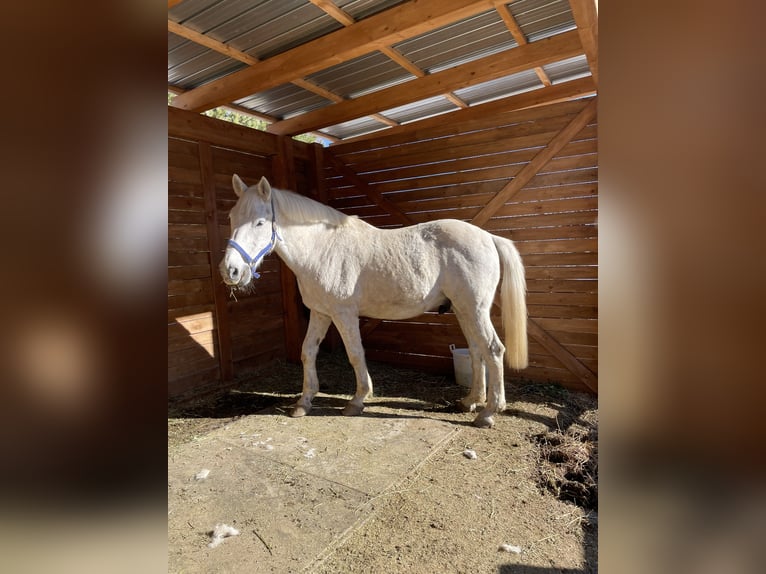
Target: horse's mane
point(299, 209)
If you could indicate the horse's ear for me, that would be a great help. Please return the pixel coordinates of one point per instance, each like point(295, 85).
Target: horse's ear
point(264, 188)
point(238, 185)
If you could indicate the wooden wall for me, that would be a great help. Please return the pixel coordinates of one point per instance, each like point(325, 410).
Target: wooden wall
point(213, 338)
point(529, 175)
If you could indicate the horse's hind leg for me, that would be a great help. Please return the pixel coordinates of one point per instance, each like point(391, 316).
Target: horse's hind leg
point(317, 329)
point(484, 342)
point(348, 327)
point(478, 392)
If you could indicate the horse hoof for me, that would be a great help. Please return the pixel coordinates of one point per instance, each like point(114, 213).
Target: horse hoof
point(352, 410)
point(484, 422)
point(466, 408)
point(299, 411)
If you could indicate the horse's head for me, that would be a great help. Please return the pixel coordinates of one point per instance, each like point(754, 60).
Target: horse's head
point(253, 232)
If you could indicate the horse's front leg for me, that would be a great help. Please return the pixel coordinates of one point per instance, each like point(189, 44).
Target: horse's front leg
point(317, 329)
point(348, 327)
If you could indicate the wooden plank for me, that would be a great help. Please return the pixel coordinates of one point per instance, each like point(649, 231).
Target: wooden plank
point(367, 189)
point(563, 311)
point(499, 224)
point(187, 244)
point(552, 206)
point(534, 166)
point(214, 242)
point(198, 127)
point(383, 29)
point(184, 189)
point(320, 181)
point(546, 51)
point(589, 300)
point(434, 364)
point(188, 272)
point(562, 286)
point(464, 158)
point(178, 287)
point(471, 143)
point(188, 384)
point(501, 112)
point(568, 325)
point(562, 354)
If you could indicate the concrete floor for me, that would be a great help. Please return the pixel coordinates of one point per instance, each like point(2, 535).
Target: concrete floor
point(294, 488)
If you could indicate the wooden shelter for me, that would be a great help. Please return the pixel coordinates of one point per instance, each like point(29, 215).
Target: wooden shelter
point(426, 109)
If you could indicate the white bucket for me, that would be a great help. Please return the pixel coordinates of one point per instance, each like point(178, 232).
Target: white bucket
point(461, 361)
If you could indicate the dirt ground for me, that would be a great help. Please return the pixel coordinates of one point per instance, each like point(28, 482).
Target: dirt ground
point(532, 485)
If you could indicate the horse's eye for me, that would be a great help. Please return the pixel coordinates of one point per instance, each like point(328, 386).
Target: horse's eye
point(259, 223)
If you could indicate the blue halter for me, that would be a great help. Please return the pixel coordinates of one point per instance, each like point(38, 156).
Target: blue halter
point(253, 262)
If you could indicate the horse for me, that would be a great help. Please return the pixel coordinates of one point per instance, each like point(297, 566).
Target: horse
point(347, 268)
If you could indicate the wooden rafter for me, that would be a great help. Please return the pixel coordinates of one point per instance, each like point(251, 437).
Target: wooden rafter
point(225, 49)
point(585, 14)
point(347, 20)
point(383, 29)
point(545, 51)
point(535, 165)
point(518, 35)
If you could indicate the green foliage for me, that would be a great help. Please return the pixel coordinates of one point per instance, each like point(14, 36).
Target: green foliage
point(246, 120)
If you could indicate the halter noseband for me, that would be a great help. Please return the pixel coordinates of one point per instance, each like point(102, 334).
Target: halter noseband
point(253, 262)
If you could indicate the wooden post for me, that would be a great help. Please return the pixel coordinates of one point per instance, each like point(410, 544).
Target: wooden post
point(332, 340)
point(223, 331)
point(283, 170)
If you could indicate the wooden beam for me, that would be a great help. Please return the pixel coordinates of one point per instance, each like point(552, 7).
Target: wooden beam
point(518, 35)
point(535, 165)
point(283, 172)
point(208, 42)
point(585, 14)
point(491, 67)
point(331, 9)
point(562, 354)
point(227, 50)
point(366, 188)
point(172, 3)
point(541, 97)
point(383, 29)
point(320, 181)
point(346, 19)
point(220, 295)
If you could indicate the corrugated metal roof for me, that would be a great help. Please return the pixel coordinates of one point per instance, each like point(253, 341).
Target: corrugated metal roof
point(266, 28)
point(359, 76)
point(420, 110)
point(501, 87)
point(191, 65)
point(566, 70)
point(284, 101)
point(360, 9)
point(354, 128)
point(539, 19)
point(457, 43)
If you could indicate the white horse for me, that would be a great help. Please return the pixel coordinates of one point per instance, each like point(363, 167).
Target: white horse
point(347, 268)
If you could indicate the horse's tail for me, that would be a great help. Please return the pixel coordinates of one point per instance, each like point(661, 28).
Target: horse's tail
point(513, 299)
